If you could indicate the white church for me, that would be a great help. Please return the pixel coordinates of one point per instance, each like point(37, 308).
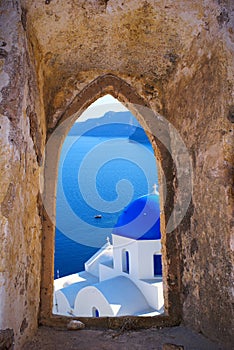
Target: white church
point(122, 278)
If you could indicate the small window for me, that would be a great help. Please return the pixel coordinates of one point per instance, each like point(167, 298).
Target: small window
point(157, 265)
point(125, 261)
point(95, 312)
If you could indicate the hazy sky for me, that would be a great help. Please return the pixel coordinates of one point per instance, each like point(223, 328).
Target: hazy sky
point(101, 106)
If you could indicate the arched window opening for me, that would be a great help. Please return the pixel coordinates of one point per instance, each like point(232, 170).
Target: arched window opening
point(56, 132)
point(157, 261)
point(125, 261)
point(95, 312)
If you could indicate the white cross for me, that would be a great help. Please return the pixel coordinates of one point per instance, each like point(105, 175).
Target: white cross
point(155, 189)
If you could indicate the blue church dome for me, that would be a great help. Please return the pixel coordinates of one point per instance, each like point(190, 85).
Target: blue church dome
point(140, 220)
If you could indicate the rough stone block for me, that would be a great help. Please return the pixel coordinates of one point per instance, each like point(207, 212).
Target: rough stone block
point(74, 325)
point(6, 339)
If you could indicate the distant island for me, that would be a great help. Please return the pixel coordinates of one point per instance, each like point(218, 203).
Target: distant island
point(112, 124)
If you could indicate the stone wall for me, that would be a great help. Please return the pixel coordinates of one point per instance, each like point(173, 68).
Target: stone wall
point(20, 157)
point(176, 55)
point(198, 101)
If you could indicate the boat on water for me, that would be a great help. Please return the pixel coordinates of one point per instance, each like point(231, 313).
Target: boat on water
point(98, 216)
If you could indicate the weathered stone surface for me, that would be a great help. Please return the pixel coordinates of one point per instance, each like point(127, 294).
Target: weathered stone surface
point(6, 339)
point(20, 227)
point(150, 339)
point(177, 57)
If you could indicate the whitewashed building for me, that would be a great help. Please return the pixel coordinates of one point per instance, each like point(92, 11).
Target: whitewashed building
point(122, 278)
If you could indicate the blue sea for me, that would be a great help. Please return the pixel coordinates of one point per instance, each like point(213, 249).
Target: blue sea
point(99, 174)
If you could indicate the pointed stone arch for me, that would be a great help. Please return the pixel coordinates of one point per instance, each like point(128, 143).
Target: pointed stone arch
point(102, 85)
point(57, 131)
